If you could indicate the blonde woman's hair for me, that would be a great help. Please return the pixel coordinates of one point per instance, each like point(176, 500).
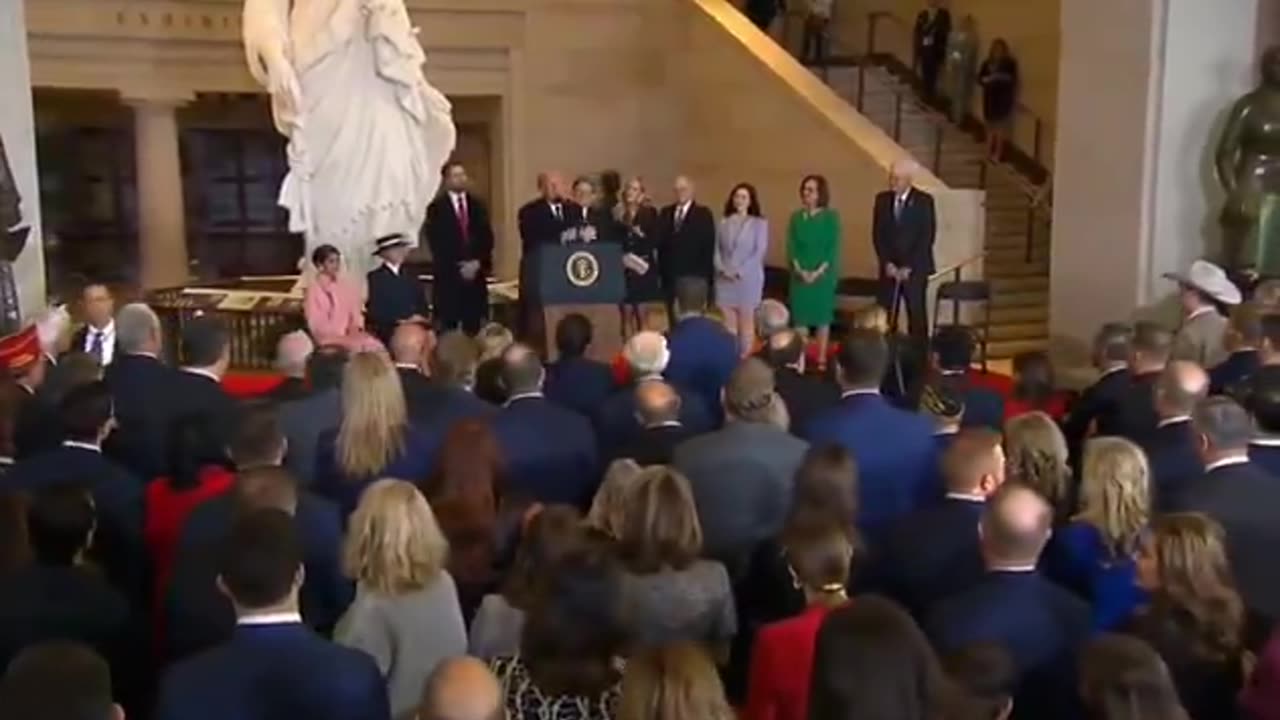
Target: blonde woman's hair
point(394, 545)
point(620, 210)
point(374, 417)
point(871, 317)
point(675, 682)
point(609, 506)
point(493, 340)
point(1036, 454)
point(1115, 492)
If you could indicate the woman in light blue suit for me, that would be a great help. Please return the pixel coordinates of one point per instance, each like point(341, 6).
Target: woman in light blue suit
point(741, 242)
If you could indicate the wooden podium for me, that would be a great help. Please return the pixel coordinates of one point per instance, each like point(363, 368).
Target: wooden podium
point(583, 278)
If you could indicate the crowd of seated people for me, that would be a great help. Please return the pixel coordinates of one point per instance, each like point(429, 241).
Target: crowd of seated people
point(715, 536)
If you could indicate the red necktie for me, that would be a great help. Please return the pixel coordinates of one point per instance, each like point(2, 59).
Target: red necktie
point(463, 221)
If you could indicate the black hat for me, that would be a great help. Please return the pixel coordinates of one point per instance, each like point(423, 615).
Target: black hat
point(386, 242)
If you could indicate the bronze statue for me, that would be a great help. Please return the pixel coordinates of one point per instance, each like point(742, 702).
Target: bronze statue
point(1248, 167)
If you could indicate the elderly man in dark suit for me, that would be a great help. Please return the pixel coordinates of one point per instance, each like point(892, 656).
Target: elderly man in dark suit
point(139, 382)
point(1133, 415)
point(273, 665)
point(303, 421)
point(893, 447)
point(1112, 348)
point(1241, 496)
point(647, 356)
point(550, 451)
point(805, 395)
point(1264, 404)
point(703, 352)
point(460, 236)
point(686, 240)
point(933, 553)
point(1171, 448)
point(904, 225)
point(660, 431)
point(542, 222)
point(741, 475)
point(574, 380)
point(395, 295)
point(292, 351)
point(1039, 624)
point(87, 417)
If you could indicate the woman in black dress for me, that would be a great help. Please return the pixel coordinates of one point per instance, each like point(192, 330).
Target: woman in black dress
point(638, 224)
point(999, 79)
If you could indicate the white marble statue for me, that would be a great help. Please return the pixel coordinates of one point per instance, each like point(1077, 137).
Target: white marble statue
point(367, 133)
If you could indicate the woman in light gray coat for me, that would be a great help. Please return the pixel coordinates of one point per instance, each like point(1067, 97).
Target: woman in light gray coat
point(406, 612)
point(742, 240)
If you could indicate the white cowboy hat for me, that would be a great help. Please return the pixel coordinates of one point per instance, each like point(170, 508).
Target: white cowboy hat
point(1210, 280)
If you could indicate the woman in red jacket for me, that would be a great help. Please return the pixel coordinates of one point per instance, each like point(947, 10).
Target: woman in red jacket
point(819, 555)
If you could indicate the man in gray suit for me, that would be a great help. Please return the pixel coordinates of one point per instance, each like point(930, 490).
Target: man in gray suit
point(741, 475)
point(1203, 289)
point(305, 419)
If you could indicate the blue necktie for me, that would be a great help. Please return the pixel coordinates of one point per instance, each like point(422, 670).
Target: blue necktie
point(95, 345)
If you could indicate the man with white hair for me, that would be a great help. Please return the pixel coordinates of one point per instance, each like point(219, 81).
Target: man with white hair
point(139, 380)
point(646, 355)
point(686, 240)
point(904, 225)
point(292, 352)
point(52, 324)
point(772, 317)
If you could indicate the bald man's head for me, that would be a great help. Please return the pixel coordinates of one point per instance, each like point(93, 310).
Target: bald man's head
point(292, 353)
point(1182, 384)
point(656, 403)
point(461, 688)
point(522, 370)
point(1016, 524)
point(409, 345)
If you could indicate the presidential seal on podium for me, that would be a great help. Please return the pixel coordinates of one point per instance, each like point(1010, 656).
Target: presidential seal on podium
point(582, 268)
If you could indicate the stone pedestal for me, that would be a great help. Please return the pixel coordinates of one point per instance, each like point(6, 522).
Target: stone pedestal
point(162, 235)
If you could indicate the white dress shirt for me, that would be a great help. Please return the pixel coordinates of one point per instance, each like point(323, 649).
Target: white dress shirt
point(108, 341)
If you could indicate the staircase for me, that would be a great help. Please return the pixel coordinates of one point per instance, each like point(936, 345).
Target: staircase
point(1017, 242)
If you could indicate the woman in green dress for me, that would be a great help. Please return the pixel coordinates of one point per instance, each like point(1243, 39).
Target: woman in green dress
point(813, 241)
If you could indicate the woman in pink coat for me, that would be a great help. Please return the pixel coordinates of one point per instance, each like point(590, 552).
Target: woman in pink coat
point(333, 306)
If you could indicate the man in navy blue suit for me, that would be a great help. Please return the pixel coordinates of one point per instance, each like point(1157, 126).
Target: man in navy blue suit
point(1040, 624)
point(1241, 496)
point(660, 431)
point(951, 355)
point(1133, 415)
point(138, 380)
point(196, 389)
point(1264, 403)
point(933, 553)
point(87, 417)
point(273, 666)
point(451, 396)
point(395, 295)
point(574, 380)
point(550, 451)
point(1112, 347)
point(1243, 338)
point(1171, 449)
point(893, 447)
point(647, 357)
point(703, 352)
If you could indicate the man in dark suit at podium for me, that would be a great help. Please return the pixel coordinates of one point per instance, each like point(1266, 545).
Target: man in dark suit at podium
point(903, 229)
point(461, 240)
point(686, 241)
point(395, 295)
point(543, 221)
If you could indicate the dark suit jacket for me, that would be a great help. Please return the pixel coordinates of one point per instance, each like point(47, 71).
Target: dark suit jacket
point(199, 616)
point(936, 27)
point(140, 386)
point(615, 419)
point(1171, 454)
point(932, 554)
point(1243, 498)
point(906, 241)
point(689, 250)
point(894, 450)
point(414, 462)
point(1236, 369)
point(741, 477)
point(551, 452)
point(703, 356)
point(417, 389)
point(539, 228)
point(36, 426)
point(1133, 416)
point(392, 297)
point(640, 238)
point(195, 394)
point(265, 672)
point(578, 384)
point(449, 248)
point(118, 498)
point(1039, 624)
point(1266, 456)
point(652, 445)
point(1098, 401)
point(443, 405)
point(303, 421)
point(805, 395)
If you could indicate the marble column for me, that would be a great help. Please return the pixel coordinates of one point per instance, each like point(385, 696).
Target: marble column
point(1143, 86)
point(162, 235)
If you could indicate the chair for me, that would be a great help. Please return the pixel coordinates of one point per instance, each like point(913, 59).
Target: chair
point(964, 292)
